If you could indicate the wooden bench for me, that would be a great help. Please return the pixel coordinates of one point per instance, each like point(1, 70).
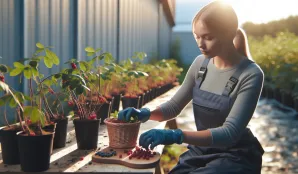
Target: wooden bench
point(67, 159)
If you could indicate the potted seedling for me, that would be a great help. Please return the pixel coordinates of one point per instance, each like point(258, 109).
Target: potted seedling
point(122, 134)
point(35, 157)
point(82, 83)
point(9, 143)
point(130, 75)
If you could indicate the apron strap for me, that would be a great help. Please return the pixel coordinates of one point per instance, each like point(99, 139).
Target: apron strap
point(203, 71)
point(232, 82)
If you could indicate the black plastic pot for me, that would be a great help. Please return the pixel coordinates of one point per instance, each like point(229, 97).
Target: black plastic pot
point(130, 102)
point(60, 133)
point(116, 103)
point(35, 151)
point(9, 145)
point(141, 102)
point(103, 111)
point(287, 99)
point(86, 133)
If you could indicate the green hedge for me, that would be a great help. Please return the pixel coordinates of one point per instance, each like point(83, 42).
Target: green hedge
point(278, 57)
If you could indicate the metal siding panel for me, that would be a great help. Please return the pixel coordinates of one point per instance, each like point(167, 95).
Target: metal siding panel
point(165, 36)
point(81, 28)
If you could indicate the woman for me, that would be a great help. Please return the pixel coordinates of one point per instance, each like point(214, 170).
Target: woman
point(224, 86)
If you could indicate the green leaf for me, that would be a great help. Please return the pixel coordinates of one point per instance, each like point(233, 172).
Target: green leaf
point(28, 98)
point(3, 68)
point(6, 88)
point(16, 71)
point(47, 82)
point(90, 53)
point(108, 58)
point(28, 73)
point(57, 76)
point(18, 65)
point(84, 66)
point(41, 76)
point(48, 62)
point(39, 45)
point(79, 90)
point(131, 73)
point(5, 99)
point(52, 56)
point(140, 73)
point(89, 50)
point(98, 49)
point(34, 71)
point(12, 103)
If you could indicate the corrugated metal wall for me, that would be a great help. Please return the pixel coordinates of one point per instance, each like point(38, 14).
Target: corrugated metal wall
point(165, 33)
point(97, 25)
point(138, 27)
point(121, 27)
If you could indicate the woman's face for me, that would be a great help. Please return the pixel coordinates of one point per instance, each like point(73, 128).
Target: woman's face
point(209, 43)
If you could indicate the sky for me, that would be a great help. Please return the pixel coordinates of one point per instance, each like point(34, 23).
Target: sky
point(256, 11)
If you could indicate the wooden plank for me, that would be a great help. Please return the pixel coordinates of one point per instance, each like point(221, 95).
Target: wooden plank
point(67, 159)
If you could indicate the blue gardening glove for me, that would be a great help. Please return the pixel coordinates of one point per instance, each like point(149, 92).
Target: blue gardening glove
point(143, 114)
point(161, 136)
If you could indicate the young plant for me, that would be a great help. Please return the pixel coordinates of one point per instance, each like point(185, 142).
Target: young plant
point(9, 97)
point(35, 116)
point(83, 82)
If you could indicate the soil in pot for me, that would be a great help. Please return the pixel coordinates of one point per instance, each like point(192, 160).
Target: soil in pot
point(9, 144)
point(86, 133)
point(130, 102)
point(35, 151)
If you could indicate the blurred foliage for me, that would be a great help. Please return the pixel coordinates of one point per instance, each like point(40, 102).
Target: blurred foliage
point(271, 28)
point(278, 57)
point(170, 156)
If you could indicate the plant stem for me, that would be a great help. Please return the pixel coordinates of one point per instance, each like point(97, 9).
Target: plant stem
point(5, 116)
point(19, 111)
point(31, 91)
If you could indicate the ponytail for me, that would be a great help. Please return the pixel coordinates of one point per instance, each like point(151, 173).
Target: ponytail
point(241, 43)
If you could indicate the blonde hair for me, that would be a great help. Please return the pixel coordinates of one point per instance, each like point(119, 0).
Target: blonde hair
point(241, 43)
point(222, 18)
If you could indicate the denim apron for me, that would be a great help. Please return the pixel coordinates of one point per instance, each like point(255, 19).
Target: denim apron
point(210, 111)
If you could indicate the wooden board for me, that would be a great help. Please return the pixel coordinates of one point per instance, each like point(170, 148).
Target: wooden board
point(133, 163)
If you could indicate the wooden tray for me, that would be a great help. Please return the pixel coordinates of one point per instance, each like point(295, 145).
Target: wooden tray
point(133, 163)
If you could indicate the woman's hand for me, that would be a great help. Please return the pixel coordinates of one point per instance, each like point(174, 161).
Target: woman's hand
point(160, 136)
point(143, 114)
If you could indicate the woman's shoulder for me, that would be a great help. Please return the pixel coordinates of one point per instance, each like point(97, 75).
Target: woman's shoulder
point(253, 69)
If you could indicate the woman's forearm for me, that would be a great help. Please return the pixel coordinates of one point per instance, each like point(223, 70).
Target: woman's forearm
point(157, 115)
point(198, 138)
